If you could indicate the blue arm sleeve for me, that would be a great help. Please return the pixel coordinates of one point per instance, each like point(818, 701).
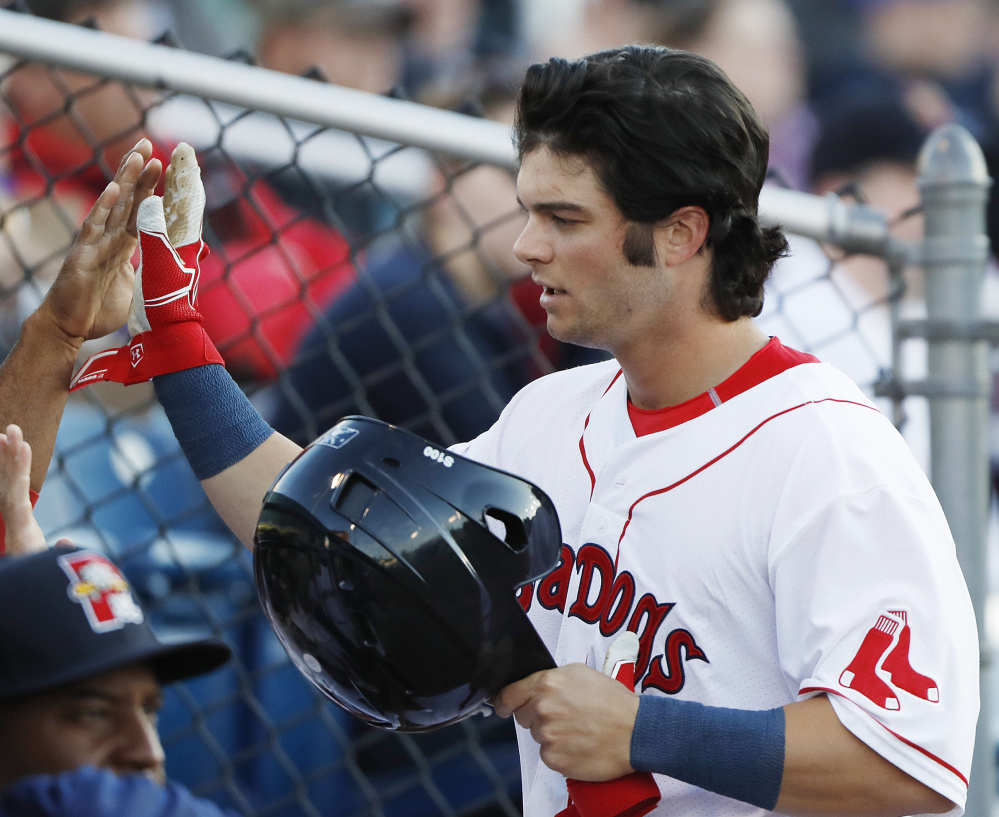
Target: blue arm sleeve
point(214, 422)
point(91, 792)
point(735, 752)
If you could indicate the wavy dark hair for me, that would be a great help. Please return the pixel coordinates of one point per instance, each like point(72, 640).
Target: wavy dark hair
point(663, 129)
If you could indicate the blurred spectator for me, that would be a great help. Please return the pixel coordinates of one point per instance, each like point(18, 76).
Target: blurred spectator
point(449, 40)
point(421, 334)
point(754, 41)
point(939, 55)
point(65, 132)
point(839, 308)
point(68, 132)
point(354, 43)
point(940, 50)
point(443, 325)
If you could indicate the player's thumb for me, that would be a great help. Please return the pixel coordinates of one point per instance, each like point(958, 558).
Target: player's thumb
point(513, 696)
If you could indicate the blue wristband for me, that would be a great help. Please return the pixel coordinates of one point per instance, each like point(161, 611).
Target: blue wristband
point(735, 752)
point(212, 419)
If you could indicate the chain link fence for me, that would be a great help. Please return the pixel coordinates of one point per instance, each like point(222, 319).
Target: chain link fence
point(360, 263)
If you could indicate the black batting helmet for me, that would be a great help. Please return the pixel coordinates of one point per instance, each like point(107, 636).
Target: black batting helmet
point(388, 569)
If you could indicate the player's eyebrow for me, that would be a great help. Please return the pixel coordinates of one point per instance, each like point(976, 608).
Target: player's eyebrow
point(79, 692)
point(561, 206)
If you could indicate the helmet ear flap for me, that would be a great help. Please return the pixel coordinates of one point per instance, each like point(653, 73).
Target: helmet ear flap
point(389, 571)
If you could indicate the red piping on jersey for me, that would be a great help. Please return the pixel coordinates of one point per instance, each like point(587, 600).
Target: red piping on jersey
point(907, 742)
point(767, 362)
point(582, 446)
point(723, 454)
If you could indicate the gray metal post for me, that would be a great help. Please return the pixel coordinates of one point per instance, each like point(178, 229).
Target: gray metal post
point(954, 184)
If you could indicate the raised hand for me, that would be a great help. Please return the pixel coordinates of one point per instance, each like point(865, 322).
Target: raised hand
point(166, 327)
point(91, 295)
point(23, 535)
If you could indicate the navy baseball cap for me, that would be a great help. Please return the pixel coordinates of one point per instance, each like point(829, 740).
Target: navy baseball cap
point(67, 614)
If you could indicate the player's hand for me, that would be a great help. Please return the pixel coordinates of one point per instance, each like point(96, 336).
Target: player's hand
point(91, 295)
point(166, 327)
point(581, 719)
point(23, 535)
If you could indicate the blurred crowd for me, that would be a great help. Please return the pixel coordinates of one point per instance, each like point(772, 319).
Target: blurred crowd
point(345, 291)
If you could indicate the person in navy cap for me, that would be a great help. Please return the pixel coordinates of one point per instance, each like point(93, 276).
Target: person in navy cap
point(81, 676)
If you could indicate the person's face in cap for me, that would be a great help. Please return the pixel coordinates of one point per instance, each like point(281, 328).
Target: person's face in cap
point(108, 721)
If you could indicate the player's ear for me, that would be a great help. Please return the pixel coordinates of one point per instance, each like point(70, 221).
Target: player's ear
point(680, 236)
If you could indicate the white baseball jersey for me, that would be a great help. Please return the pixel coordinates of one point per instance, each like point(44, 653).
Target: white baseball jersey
point(781, 544)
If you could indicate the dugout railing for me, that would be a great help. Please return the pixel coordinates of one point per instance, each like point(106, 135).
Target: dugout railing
point(372, 170)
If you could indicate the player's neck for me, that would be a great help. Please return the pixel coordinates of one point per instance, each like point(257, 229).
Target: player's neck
point(690, 363)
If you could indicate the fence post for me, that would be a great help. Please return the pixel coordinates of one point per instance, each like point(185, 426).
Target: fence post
point(954, 183)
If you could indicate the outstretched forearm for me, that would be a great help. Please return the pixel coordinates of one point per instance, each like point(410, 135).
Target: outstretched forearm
point(88, 299)
point(34, 385)
point(231, 448)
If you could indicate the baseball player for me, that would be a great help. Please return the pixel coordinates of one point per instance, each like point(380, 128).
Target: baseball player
point(806, 640)
point(80, 676)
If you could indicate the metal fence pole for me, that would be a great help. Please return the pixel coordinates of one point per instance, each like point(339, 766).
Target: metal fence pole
point(954, 184)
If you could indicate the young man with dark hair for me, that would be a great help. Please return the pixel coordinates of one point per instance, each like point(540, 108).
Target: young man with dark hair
point(807, 642)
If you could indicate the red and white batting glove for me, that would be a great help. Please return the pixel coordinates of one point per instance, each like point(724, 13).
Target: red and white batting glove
point(634, 794)
point(164, 322)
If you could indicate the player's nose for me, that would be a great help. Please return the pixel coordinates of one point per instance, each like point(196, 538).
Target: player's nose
point(139, 748)
point(531, 247)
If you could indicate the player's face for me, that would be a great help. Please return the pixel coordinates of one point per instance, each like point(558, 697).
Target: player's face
point(108, 721)
point(573, 242)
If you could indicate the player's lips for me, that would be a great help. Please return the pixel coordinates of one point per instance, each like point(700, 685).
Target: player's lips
point(549, 295)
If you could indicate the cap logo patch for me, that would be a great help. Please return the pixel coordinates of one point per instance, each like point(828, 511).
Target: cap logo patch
point(98, 586)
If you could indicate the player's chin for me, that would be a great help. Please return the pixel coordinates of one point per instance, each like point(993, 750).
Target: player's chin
point(569, 332)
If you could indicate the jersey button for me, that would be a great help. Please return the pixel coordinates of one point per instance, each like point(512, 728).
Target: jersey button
point(619, 481)
point(601, 525)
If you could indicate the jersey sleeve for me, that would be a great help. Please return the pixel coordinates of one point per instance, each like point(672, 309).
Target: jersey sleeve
point(3, 528)
point(873, 609)
point(91, 792)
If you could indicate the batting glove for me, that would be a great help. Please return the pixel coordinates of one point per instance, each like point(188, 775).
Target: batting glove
point(634, 794)
point(164, 321)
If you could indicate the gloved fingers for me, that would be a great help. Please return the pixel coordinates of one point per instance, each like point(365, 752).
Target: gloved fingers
point(151, 218)
point(623, 651)
point(183, 197)
point(163, 281)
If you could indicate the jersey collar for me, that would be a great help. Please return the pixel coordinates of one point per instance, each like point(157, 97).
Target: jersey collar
point(771, 360)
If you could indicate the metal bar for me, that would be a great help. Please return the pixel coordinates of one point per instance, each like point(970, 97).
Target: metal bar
point(159, 66)
point(828, 219)
point(855, 228)
point(954, 184)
